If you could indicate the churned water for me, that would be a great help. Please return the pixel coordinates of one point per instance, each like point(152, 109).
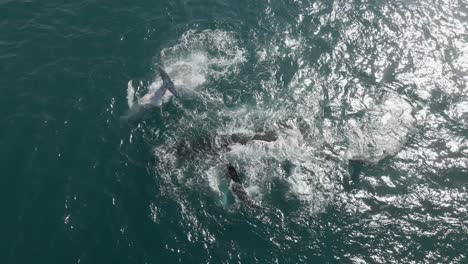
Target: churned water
point(346, 120)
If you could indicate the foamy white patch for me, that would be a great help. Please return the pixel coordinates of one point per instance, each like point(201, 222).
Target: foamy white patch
point(381, 132)
point(213, 180)
point(459, 112)
point(202, 55)
point(253, 190)
point(189, 72)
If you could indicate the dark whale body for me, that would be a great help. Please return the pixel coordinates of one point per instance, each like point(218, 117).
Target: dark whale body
point(190, 149)
point(238, 189)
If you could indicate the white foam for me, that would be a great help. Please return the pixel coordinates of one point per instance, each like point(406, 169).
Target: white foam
point(213, 180)
point(459, 112)
point(201, 55)
point(381, 132)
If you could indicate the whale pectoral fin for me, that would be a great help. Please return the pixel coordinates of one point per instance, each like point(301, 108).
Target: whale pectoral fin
point(167, 82)
point(163, 74)
point(172, 89)
point(130, 94)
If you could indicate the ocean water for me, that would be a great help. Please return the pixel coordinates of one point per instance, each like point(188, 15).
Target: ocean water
point(368, 102)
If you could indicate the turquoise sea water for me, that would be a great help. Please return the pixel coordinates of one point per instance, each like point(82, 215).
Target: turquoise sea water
point(368, 100)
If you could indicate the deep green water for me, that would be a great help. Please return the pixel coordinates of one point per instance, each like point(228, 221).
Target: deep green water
point(380, 81)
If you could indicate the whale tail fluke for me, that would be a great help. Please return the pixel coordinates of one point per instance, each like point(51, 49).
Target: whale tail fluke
point(167, 82)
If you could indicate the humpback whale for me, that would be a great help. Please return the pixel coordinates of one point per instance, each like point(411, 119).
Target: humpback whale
point(237, 188)
point(151, 99)
point(156, 98)
point(191, 148)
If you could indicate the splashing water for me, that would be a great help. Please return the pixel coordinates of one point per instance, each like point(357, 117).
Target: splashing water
point(198, 56)
point(313, 173)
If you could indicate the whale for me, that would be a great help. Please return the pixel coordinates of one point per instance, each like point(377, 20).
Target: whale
point(190, 148)
point(238, 189)
point(152, 99)
point(157, 98)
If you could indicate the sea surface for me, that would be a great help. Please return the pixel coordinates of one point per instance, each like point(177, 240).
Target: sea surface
point(367, 102)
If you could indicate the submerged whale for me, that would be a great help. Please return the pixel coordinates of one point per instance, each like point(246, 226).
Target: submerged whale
point(238, 189)
point(152, 99)
point(191, 148)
